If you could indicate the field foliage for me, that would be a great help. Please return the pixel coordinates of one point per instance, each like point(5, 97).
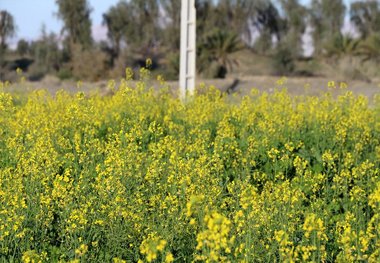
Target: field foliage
point(141, 176)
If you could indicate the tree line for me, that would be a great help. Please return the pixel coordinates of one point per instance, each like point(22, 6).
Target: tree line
point(138, 29)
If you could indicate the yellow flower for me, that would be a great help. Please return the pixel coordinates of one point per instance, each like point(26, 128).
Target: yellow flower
point(31, 256)
point(118, 260)
point(343, 85)
point(331, 84)
point(148, 62)
point(128, 74)
point(151, 246)
point(83, 248)
point(169, 258)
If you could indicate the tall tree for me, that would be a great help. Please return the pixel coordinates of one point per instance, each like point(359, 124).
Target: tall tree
point(238, 17)
point(46, 52)
point(75, 15)
point(134, 31)
point(206, 20)
point(172, 23)
point(7, 28)
point(143, 33)
point(366, 17)
point(235, 17)
point(267, 20)
point(117, 19)
point(327, 18)
point(23, 47)
point(295, 18)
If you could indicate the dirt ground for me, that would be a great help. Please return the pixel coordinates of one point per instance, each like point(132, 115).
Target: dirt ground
point(312, 86)
point(300, 86)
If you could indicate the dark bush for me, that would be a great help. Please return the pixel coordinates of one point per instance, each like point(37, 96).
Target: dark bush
point(283, 61)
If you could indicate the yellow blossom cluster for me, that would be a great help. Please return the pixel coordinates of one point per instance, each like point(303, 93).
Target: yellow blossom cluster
point(140, 176)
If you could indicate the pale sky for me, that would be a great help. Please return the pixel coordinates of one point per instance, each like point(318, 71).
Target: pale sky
point(30, 15)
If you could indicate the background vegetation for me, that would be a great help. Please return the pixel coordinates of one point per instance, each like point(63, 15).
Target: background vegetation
point(138, 29)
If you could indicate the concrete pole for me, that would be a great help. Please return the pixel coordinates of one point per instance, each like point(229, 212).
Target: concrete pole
point(188, 48)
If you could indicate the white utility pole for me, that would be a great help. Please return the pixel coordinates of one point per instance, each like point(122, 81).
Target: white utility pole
point(188, 48)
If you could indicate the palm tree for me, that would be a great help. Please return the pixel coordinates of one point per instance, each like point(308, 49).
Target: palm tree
point(7, 27)
point(341, 45)
point(369, 49)
point(216, 48)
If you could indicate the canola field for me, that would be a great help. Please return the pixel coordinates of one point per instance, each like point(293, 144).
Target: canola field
point(140, 176)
